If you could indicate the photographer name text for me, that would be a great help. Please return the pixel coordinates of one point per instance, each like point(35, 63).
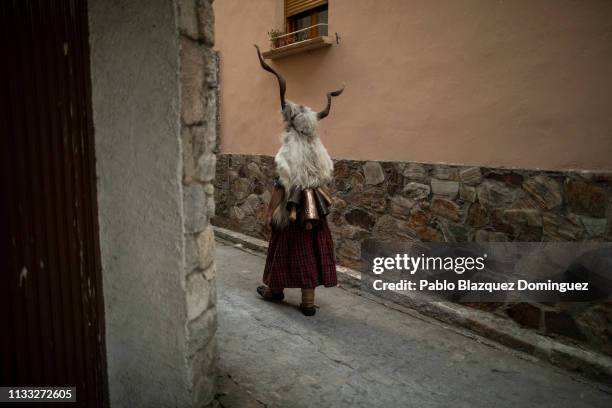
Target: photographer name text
point(468, 285)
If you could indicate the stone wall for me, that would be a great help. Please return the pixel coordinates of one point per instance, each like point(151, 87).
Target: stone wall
point(199, 124)
point(431, 202)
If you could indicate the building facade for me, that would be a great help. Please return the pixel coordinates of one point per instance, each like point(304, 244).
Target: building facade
point(460, 121)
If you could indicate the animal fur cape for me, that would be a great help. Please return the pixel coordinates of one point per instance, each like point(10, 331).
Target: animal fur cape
point(302, 161)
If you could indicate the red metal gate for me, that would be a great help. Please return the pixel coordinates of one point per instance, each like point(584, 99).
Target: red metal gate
point(53, 326)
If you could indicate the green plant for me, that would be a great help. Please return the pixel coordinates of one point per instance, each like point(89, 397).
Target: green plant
point(273, 33)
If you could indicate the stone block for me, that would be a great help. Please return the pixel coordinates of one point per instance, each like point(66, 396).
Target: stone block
point(236, 213)
point(454, 232)
point(210, 206)
point(206, 247)
point(416, 191)
point(415, 171)
point(198, 295)
point(194, 208)
point(206, 22)
point(187, 18)
point(494, 194)
point(211, 77)
point(357, 182)
point(201, 331)
point(429, 234)
point(252, 204)
point(510, 178)
point(210, 273)
point(500, 223)
point(188, 162)
point(204, 376)
point(445, 188)
point(470, 175)
point(586, 199)
point(203, 139)
point(530, 217)
point(528, 234)
point(205, 170)
point(594, 227)
point(192, 258)
point(192, 82)
point(388, 227)
point(559, 228)
point(467, 193)
point(241, 188)
point(371, 201)
point(527, 201)
point(338, 203)
point(446, 208)
point(419, 217)
point(596, 323)
point(341, 169)
point(373, 172)
point(545, 190)
point(254, 171)
point(394, 180)
point(360, 218)
point(444, 172)
point(400, 206)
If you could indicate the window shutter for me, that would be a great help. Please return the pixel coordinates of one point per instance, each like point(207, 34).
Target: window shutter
point(293, 7)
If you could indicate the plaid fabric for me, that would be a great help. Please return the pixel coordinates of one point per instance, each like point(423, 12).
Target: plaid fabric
point(300, 258)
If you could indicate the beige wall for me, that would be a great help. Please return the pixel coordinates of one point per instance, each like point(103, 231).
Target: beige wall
point(501, 83)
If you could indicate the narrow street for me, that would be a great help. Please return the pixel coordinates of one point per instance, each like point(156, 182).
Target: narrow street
point(356, 352)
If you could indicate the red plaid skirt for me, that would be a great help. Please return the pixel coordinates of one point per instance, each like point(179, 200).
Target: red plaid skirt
point(300, 258)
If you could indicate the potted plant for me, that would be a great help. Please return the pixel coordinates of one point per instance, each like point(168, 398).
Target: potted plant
point(273, 34)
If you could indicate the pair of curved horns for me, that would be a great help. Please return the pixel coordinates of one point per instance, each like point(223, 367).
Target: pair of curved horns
point(282, 85)
point(325, 112)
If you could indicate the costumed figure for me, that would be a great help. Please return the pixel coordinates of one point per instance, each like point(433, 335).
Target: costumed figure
point(301, 250)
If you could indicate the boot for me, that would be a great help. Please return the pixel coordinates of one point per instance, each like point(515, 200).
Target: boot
point(308, 306)
point(269, 294)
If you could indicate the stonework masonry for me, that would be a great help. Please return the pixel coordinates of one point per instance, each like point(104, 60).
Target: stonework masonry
point(199, 124)
point(435, 202)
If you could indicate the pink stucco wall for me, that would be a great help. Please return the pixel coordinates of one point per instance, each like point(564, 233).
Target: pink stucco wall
point(499, 83)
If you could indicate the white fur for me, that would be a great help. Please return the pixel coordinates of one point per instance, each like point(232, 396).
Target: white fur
point(302, 160)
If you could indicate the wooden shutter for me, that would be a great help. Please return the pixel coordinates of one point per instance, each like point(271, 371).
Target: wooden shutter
point(293, 7)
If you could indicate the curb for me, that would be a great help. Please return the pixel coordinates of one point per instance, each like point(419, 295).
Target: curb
point(588, 363)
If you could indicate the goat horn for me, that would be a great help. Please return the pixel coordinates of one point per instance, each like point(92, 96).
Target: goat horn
point(281, 81)
point(325, 112)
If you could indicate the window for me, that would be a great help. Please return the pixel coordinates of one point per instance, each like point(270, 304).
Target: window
point(305, 29)
point(302, 14)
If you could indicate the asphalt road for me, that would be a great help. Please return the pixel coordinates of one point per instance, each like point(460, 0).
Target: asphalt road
point(356, 352)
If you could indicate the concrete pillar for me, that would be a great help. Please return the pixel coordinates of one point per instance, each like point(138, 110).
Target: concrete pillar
point(154, 92)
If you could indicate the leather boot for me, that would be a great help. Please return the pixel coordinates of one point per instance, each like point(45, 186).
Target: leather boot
point(308, 306)
point(269, 294)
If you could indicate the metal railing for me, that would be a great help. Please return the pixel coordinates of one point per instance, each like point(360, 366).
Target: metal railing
point(303, 34)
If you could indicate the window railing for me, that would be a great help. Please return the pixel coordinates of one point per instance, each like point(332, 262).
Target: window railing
point(303, 34)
